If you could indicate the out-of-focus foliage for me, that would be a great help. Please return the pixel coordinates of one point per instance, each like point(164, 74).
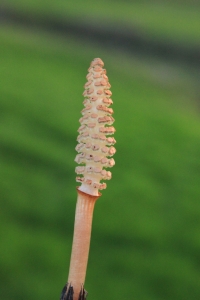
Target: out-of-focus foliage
point(145, 242)
point(176, 20)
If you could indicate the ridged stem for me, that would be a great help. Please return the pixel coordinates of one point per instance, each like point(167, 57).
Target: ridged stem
point(81, 240)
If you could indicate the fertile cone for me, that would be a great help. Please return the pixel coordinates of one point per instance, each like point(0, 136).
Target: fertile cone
point(95, 143)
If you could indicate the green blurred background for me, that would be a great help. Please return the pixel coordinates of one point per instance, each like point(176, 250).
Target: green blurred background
point(146, 231)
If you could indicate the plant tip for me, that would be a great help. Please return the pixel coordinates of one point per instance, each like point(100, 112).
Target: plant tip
point(95, 146)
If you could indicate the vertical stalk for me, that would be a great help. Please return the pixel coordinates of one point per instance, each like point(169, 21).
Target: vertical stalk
point(95, 150)
point(81, 241)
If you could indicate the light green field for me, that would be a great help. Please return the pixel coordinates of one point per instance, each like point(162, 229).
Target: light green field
point(176, 21)
point(145, 242)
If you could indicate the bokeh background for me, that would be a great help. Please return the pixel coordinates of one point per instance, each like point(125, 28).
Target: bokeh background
point(146, 231)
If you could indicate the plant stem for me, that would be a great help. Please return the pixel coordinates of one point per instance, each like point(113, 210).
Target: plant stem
point(81, 240)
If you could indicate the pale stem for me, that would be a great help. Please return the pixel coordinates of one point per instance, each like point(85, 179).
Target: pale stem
point(81, 240)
